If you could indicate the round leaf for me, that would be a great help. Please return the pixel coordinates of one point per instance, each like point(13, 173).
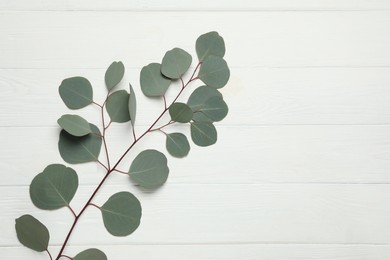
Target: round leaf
point(214, 108)
point(114, 74)
point(177, 145)
point(175, 63)
point(203, 133)
point(121, 214)
point(80, 149)
point(32, 233)
point(90, 254)
point(74, 125)
point(76, 92)
point(149, 169)
point(214, 72)
point(197, 100)
point(118, 106)
point(153, 83)
point(54, 188)
point(132, 106)
point(180, 112)
point(210, 43)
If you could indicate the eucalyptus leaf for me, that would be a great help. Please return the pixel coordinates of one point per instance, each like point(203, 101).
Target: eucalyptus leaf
point(74, 125)
point(91, 254)
point(132, 106)
point(32, 233)
point(197, 100)
point(214, 72)
point(76, 92)
point(210, 43)
point(114, 74)
point(180, 112)
point(118, 106)
point(214, 108)
point(54, 188)
point(80, 149)
point(153, 83)
point(121, 214)
point(149, 169)
point(203, 133)
point(177, 145)
point(175, 63)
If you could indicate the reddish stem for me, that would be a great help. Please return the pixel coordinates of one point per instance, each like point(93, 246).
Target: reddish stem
point(71, 209)
point(51, 258)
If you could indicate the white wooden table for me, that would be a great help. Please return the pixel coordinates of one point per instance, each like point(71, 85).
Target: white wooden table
point(301, 169)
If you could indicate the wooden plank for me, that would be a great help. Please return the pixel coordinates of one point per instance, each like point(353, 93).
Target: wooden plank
point(226, 252)
point(288, 39)
point(200, 5)
point(257, 96)
point(221, 214)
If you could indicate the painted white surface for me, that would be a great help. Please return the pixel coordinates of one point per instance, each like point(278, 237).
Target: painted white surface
point(301, 169)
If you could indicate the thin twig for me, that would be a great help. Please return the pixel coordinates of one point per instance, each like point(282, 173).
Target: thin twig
point(165, 102)
point(123, 172)
point(71, 209)
point(67, 257)
point(48, 252)
point(92, 204)
point(105, 167)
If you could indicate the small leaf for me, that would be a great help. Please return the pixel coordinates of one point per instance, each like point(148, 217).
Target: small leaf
point(149, 169)
point(177, 145)
point(132, 106)
point(114, 74)
point(76, 92)
point(210, 43)
point(203, 133)
point(214, 108)
point(153, 83)
point(80, 149)
point(180, 112)
point(214, 72)
point(197, 100)
point(74, 125)
point(121, 214)
point(118, 106)
point(54, 188)
point(175, 63)
point(32, 233)
point(91, 254)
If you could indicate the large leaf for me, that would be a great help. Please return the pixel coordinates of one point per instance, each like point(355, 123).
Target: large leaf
point(132, 106)
point(91, 254)
point(149, 169)
point(32, 233)
point(180, 112)
point(114, 74)
point(76, 92)
point(54, 188)
point(214, 72)
point(197, 100)
point(175, 63)
point(118, 106)
point(153, 83)
point(121, 214)
point(80, 149)
point(74, 125)
point(210, 43)
point(203, 133)
point(214, 108)
point(177, 145)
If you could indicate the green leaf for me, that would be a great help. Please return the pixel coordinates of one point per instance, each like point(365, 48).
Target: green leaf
point(90, 254)
point(76, 92)
point(74, 125)
point(175, 63)
point(54, 188)
point(132, 106)
point(180, 112)
point(118, 106)
point(177, 145)
point(114, 74)
point(210, 43)
point(197, 100)
point(203, 133)
point(32, 233)
point(214, 72)
point(80, 149)
point(153, 83)
point(214, 108)
point(121, 214)
point(149, 169)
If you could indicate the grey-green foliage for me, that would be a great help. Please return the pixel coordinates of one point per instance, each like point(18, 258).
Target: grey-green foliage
point(81, 141)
